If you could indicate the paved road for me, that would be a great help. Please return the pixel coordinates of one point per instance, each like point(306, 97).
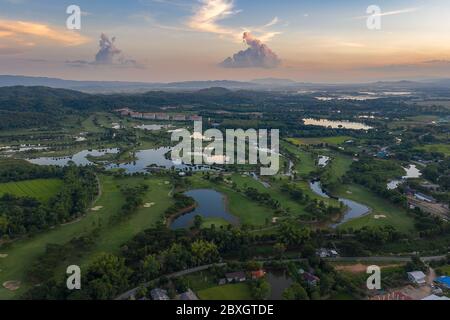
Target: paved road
point(127, 295)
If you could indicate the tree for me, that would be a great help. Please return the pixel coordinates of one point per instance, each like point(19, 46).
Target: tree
point(204, 252)
point(198, 221)
point(107, 276)
point(260, 289)
point(280, 249)
point(150, 267)
point(293, 235)
point(295, 292)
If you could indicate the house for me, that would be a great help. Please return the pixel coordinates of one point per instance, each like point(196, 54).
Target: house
point(436, 298)
point(195, 118)
point(188, 295)
point(310, 279)
point(258, 274)
point(443, 282)
point(392, 296)
point(179, 117)
point(159, 294)
point(327, 253)
point(417, 277)
point(149, 116)
point(236, 277)
point(162, 116)
point(430, 186)
point(424, 197)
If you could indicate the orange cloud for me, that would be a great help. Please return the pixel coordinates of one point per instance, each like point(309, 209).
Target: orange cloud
point(24, 31)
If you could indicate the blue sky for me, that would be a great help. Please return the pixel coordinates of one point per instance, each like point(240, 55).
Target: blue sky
point(172, 40)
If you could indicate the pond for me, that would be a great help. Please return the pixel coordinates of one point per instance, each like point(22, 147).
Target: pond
point(323, 161)
point(145, 159)
point(79, 158)
point(355, 209)
point(279, 281)
point(153, 127)
point(336, 124)
point(210, 204)
point(412, 172)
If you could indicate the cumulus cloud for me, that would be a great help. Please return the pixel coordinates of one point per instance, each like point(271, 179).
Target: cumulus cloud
point(107, 50)
point(258, 55)
point(108, 54)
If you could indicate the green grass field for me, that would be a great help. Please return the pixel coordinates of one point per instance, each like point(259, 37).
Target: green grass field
point(387, 213)
point(305, 161)
point(240, 291)
point(41, 189)
point(314, 141)
point(111, 237)
point(441, 148)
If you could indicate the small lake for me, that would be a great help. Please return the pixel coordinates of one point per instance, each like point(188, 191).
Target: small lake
point(145, 159)
point(336, 124)
point(279, 281)
point(79, 158)
point(323, 161)
point(210, 204)
point(412, 172)
point(355, 209)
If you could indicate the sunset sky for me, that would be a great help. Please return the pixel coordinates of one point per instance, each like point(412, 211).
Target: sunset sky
point(177, 40)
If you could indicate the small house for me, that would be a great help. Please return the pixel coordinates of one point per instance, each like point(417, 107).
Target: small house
point(443, 282)
point(259, 274)
point(309, 278)
point(159, 294)
point(236, 277)
point(424, 197)
point(188, 296)
point(417, 277)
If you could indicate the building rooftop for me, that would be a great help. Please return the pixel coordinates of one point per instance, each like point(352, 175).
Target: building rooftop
point(444, 280)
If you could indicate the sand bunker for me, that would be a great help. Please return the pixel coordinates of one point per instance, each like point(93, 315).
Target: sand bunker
point(97, 208)
point(349, 192)
point(166, 182)
point(149, 205)
point(381, 216)
point(3, 255)
point(12, 285)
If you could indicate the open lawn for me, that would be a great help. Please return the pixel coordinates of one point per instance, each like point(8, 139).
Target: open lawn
point(305, 162)
point(314, 141)
point(22, 253)
point(383, 213)
point(441, 148)
point(41, 189)
point(240, 291)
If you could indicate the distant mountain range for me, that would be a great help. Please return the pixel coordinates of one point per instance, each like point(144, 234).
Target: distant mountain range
point(257, 84)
